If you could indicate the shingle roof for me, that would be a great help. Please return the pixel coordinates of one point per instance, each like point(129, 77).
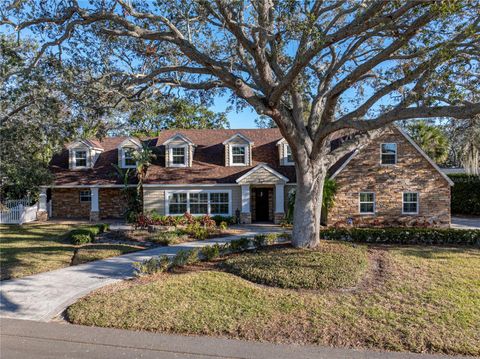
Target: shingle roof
point(208, 166)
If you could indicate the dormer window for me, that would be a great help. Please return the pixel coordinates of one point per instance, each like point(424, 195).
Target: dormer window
point(238, 150)
point(289, 156)
point(239, 156)
point(285, 153)
point(80, 158)
point(178, 156)
point(128, 158)
point(388, 153)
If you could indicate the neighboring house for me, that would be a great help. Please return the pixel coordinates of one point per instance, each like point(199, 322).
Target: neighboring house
point(249, 173)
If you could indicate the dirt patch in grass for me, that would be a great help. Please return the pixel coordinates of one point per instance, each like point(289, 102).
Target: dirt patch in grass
point(333, 265)
point(420, 299)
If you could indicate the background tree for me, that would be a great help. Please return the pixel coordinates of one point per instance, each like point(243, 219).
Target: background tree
point(431, 138)
point(465, 144)
point(313, 67)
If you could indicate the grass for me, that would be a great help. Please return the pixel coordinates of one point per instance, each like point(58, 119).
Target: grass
point(40, 247)
point(333, 266)
point(427, 299)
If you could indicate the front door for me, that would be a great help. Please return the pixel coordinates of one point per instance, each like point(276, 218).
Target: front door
point(262, 209)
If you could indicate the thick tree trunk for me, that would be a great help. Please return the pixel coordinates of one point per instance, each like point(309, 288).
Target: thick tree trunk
point(308, 206)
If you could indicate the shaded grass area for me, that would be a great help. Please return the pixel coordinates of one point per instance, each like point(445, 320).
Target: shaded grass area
point(428, 302)
point(332, 266)
point(40, 247)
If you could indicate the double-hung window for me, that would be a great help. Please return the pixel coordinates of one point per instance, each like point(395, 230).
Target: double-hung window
point(410, 203)
point(199, 202)
point(129, 157)
point(85, 196)
point(289, 156)
point(177, 203)
point(239, 155)
point(388, 153)
point(178, 156)
point(367, 202)
point(80, 158)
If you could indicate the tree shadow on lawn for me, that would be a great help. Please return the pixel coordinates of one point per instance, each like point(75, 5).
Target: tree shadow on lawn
point(434, 252)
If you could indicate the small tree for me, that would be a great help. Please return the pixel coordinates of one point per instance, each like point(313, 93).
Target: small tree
point(143, 157)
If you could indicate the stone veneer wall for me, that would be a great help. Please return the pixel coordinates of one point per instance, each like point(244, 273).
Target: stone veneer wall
point(412, 173)
point(66, 204)
point(112, 203)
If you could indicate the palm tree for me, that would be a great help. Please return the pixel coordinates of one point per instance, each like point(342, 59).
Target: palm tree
point(432, 139)
point(143, 157)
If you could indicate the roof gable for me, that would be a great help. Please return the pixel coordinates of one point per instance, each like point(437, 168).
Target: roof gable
point(178, 136)
point(92, 144)
point(129, 141)
point(262, 173)
point(238, 136)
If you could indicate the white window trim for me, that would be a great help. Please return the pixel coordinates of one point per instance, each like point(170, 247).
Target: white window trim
point(381, 153)
point(87, 155)
point(170, 156)
point(228, 191)
point(123, 158)
point(418, 204)
point(374, 203)
point(245, 162)
point(286, 162)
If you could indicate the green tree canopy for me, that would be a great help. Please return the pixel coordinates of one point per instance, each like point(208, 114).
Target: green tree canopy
point(431, 138)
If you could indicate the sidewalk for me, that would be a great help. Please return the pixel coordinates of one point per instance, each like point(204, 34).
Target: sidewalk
point(45, 295)
point(27, 339)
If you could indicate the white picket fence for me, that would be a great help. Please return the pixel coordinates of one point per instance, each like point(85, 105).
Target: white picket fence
point(18, 211)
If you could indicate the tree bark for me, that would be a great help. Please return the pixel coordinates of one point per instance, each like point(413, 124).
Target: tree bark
point(308, 206)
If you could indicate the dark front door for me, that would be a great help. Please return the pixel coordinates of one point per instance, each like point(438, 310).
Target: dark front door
point(262, 209)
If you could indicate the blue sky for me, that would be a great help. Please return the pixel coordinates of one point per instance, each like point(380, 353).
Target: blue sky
point(243, 119)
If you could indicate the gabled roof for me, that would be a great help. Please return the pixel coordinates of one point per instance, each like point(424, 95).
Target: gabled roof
point(243, 137)
point(259, 167)
point(130, 140)
point(180, 136)
point(87, 143)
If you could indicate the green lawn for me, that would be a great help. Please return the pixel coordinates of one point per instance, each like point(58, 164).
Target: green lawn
point(40, 247)
point(420, 299)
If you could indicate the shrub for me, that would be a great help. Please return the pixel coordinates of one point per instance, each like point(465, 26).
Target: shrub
point(90, 231)
point(219, 219)
point(152, 265)
point(262, 240)
point(465, 194)
point(223, 226)
point(104, 227)
point(167, 238)
point(210, 252)
point(78, 239)
point(185, 257)
point(428, 236)
point(240, 244)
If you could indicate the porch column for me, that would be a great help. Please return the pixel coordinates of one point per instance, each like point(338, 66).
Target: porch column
point(245, 215)
point(42, 213)
point(279, 203)
point(95, 208)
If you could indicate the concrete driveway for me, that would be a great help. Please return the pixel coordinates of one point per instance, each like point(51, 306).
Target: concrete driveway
point(466, 222)
point(45, 295)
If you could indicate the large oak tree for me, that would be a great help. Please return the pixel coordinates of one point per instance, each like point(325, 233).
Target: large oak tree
point(314, 67)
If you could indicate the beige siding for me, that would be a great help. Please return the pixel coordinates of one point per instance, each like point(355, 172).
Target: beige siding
point(154, 197)
point(261, 176)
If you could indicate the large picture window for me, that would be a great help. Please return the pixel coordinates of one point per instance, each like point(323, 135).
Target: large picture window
point(81, 158)
point(199, 202)
point(389, 153)
point(367, 202)
point(410, 203)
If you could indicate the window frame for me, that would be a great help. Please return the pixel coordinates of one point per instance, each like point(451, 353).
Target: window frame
point(374, 202)
point(287, 148)
point(209, 202)
point(124, 157)
point(381, 153)
point(75, 157)
point(171, 156)
point(245, 160)
point(417, 202)
point(81, 194)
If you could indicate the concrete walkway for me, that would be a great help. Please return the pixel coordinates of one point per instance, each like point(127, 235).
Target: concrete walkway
point(45, 295)
point(466, 222)
point(27, 339)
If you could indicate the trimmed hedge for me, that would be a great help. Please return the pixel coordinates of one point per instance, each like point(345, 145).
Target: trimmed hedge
point(90, 231)
point(426, 236)
point(465, 194)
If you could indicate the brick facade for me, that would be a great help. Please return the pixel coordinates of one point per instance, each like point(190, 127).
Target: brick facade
point(411, 173)
point(66, 204)
point(112, 203)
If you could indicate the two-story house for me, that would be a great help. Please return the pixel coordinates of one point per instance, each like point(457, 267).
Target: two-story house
point(248, 172)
